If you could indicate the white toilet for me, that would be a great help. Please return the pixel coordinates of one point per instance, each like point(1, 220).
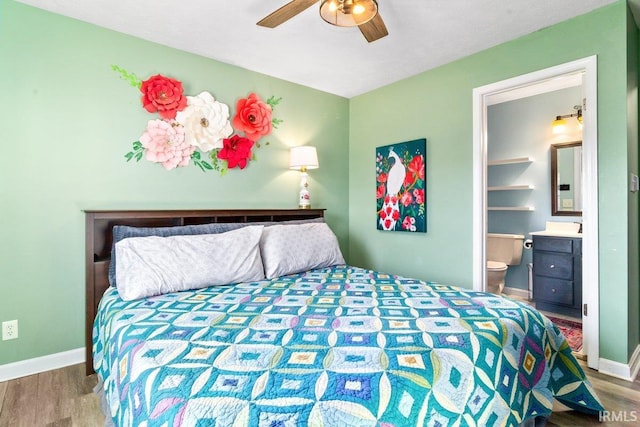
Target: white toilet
point(503, 250)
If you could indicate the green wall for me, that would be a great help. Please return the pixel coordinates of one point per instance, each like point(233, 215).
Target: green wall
point(67, 120)
point(437, 105)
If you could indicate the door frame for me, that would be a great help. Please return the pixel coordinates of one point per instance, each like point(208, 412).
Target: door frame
point(590, 249)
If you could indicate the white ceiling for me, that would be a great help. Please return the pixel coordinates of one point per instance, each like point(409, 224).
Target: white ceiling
point(423, 34)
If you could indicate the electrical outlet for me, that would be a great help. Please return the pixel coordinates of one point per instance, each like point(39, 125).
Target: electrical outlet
point(9, 330)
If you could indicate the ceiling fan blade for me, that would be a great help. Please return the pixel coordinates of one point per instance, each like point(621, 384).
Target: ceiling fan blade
point(286, 12)
point(374, 29)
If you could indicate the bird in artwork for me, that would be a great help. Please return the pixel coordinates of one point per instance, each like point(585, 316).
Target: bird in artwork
point(395, 179)
point(396, 175)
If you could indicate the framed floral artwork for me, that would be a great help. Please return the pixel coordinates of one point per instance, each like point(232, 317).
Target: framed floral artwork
point(400, 186)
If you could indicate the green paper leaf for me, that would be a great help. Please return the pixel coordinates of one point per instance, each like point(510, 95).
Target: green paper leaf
point(137, 152)
point(276, 122)
point(207, 165)
point(273, 101)
point(195, 155)
point(129, 77)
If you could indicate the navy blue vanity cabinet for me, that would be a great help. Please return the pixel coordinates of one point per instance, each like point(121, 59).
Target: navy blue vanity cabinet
point(557, 274)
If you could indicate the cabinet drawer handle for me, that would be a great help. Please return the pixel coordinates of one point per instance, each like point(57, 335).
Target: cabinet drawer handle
point(552, 266)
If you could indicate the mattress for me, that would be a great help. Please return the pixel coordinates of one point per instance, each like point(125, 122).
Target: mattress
point(338, 346)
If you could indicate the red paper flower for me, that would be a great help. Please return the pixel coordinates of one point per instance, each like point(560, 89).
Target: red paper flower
point(380, 191)
point(163, 95)
point(236, 151)
point(382, 177)
point(253, 117)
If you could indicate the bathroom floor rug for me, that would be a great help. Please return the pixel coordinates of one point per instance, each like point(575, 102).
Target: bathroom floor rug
point(572, 330)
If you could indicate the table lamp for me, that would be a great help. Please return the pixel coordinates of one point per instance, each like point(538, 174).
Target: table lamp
point(303, 158)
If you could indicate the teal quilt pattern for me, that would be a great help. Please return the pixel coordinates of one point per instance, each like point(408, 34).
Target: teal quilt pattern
point(339, 346)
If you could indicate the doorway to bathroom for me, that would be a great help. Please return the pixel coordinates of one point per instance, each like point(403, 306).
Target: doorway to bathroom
point(581, 73)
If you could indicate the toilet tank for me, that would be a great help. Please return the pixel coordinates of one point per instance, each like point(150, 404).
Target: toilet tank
point(505, 248)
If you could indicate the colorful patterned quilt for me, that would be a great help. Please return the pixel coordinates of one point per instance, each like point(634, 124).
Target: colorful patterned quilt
point(340, 346)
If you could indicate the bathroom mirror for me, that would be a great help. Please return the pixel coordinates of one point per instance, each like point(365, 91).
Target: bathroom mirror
point(566, 179)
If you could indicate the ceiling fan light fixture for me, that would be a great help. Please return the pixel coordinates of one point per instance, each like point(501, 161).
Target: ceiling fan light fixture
point(348, 13)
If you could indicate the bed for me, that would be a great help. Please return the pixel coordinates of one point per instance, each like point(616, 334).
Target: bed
point(333, 345)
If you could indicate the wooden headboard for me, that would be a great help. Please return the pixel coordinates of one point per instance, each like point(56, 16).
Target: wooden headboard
point(99, 226)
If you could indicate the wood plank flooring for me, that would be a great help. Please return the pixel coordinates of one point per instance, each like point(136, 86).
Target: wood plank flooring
point(64, 397)
point(59, 398)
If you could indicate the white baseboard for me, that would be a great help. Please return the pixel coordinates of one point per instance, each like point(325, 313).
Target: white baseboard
point(36, 365)
point(623, 371)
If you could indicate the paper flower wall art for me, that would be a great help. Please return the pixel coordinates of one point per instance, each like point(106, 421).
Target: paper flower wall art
point(197, 129)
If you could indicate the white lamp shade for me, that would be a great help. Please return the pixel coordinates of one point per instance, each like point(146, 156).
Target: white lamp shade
point(303, 157)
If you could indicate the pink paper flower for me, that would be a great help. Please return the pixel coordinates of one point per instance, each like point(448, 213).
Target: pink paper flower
point(253, 117)
point(164, 142)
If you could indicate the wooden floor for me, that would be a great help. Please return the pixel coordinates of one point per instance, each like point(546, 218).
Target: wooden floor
point(64, 397)
point(58, 398)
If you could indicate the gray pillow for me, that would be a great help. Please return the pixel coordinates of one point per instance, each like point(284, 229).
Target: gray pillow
point(124, 231)
point(289, 249)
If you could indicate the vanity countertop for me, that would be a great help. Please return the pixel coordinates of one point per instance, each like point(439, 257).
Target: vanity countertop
point(556, 233)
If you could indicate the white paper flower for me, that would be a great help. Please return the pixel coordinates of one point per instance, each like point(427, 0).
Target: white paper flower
point(206, 122)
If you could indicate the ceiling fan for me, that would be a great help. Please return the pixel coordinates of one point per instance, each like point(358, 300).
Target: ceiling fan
point(342, 13)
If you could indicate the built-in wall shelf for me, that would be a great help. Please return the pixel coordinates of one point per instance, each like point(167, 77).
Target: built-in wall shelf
point(510, 187)
point(512, 161)
point(509, 161)
point(511, 208)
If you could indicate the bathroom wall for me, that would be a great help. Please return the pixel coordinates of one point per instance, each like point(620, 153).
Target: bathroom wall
point(522, 128)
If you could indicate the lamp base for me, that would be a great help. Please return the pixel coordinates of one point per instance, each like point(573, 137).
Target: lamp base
point(304, 199)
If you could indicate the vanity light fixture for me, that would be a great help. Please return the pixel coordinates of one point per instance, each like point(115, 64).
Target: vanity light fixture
point(559, 125)
point(303, 158)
